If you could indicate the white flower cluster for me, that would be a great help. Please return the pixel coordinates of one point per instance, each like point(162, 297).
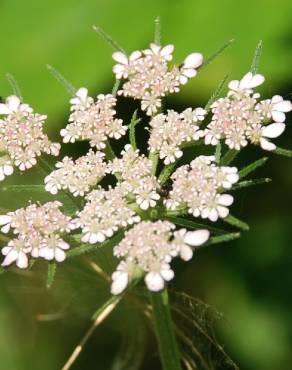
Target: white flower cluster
point(240, 118)
point(105, 212)
point(38, 228)
point(136, 177)
point(93, 121)
point(199, 187)
point(149, 77)
point(77, 176)
point(169, 131)
point(21, 137)
point(148, 248)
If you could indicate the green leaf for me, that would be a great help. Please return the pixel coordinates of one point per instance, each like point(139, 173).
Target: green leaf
point(229, 156)
point(52, 267)
point(283, 152)
point(217, 53)
point(116, 87)
point(14, 85)
point(108, 39)
point(157, 31)
point(222, 238)
point(25, 188)
point(216, 94)
point(164, 329)
point(189, 224)
point(252, 167)
point(132, 127)
point(86, 248)
point(231, 220)
point(248, 183)
point(256, 58)
point(218, 152)
point(60, 78)
point(194, 323)
point(166, 172)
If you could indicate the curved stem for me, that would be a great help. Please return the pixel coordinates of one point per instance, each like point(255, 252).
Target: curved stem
point(168, 349)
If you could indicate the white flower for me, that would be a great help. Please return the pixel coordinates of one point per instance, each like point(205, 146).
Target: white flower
point(165, 52)
point(248, 82)
point(15, 251)
point(6, 169)
point(14, 105)
point(184, 240)
point(271, 131)
point(5, 222)
point(122, 69)
point(189, 67)
point(217, 207)
point(120, 278)
point(81, 99)
point(52, 247)
point(155, 279)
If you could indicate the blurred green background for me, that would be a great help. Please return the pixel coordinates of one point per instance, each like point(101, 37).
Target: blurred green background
point(248, 280)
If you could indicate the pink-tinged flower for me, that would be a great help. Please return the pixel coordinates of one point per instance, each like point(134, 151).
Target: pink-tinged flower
point(190, 66)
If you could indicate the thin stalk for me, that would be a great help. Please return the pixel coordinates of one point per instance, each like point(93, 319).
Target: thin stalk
point(100, 315)
point(164, 328)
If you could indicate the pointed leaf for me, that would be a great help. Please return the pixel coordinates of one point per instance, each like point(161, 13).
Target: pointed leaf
point(52, 267)
point(252, 167)
point(108, 39)
point(236, 222)
point(60, 78)
point(216, 94)
point(256, 58)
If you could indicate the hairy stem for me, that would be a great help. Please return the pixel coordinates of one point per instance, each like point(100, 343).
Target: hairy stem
point(164, 328)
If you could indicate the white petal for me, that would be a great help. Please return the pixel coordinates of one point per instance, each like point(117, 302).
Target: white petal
point(4, 109)
point(222, 211)
point(167, 50)
point(167, 274)
point(22, 260)
point(120, 57)
point(186, 253)
point(283, 106)
point(278, 116)
point(197, 237)
point(60, 255)
point(82, 93)
point(189, 72)
point(233, 85)
point(193, 60)
point(135, 55)
point(273, 130)
point(5, 219)
point(226, 199)
point(154, 281)
point(13, 102)
point(10, 258)
point(120, 282)
point(7, 169)
point(267, 145)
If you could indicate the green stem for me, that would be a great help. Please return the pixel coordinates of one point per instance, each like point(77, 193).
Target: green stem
point(168, 349)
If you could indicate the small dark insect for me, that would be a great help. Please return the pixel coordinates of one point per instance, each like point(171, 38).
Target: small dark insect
point(165, 189)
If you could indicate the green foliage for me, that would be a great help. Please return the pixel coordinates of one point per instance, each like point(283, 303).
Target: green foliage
point(14, 85)
point(132, 127)
point(52, 268)
point(216, 94)
point(60, 78)
point(232, 220)
point(256, 59)
point(252, 167)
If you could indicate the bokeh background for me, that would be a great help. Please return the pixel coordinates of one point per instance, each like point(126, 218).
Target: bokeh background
point(249, 280)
